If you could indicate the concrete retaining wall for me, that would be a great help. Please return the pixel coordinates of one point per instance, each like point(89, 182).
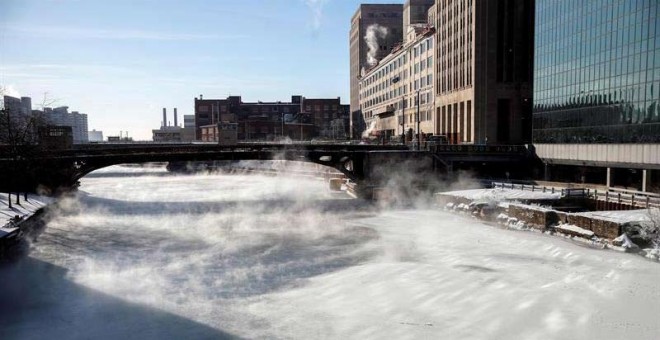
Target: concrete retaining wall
point(538, 218)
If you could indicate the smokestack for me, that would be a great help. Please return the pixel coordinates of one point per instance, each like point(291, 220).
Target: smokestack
point(164, 117)
point(175, 118)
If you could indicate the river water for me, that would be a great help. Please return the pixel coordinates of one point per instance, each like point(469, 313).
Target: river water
point(140, 253)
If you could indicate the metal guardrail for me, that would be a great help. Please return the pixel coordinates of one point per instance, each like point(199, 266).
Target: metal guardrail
point(564, 192)
point(637, 199)
point(634, 199)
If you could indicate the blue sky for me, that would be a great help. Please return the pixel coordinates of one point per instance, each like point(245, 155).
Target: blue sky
point(121, 61)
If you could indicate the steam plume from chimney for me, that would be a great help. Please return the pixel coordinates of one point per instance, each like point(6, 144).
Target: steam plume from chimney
point(374, 32)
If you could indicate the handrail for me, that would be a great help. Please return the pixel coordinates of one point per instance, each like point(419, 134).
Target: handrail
point(635, 199)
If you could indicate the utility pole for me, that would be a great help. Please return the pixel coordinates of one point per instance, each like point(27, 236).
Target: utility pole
point(419, 135)
point(403, 119)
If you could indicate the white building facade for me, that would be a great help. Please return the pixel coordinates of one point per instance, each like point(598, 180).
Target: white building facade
point(397, 95)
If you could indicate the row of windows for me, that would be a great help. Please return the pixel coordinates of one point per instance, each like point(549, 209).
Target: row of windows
point(398, 92)
point(640, 92)
point(555, 13)
point(266, 108)
point(397, 63)
point(601, 38)
point(613, 66)
point(581, 24)
point(628, 113)
point(643, 133)
point(384, 15)
point(574, 84)
point(591, 51)
point(424, 115)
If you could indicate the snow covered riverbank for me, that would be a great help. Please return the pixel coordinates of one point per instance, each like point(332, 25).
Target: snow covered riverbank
point(24, 209)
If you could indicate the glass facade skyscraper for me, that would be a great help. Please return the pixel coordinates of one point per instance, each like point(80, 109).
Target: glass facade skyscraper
point(597, 71)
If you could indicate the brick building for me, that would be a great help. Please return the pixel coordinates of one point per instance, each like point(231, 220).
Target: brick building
point(298, 119)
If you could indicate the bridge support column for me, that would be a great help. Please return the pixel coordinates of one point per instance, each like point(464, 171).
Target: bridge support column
point(646, 180)
point(546, 172)
point(608, 180)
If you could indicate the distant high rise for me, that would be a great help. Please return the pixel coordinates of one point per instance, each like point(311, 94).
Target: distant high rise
point(12, 105)
point(95, 136)
point(375, 30)
point(60, 116)
point(26, 105)
point(415, 12)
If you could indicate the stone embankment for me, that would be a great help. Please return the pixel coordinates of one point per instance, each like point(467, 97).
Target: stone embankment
point(626, 230)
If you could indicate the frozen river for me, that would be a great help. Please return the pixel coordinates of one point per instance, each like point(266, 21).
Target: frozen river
point(143, 254)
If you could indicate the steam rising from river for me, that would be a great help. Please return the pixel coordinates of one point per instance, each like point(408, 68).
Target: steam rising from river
point(140, 253)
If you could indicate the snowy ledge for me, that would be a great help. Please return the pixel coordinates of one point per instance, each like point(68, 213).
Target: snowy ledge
point(24, 209)
point(575, 230)
point(499, 194)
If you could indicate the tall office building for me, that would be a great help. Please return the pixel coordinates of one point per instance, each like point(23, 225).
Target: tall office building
point(415, 12)
point(12, 104)
point(60, 116)
point(484, 53)
point(597, 91)
point(375, 30)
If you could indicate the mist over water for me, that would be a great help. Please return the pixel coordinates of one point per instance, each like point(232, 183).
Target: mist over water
point(141, 253)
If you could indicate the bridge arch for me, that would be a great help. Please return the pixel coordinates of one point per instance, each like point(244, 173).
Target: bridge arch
point(63, 169)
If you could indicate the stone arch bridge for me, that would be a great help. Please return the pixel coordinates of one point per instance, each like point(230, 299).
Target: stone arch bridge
point(50, 171)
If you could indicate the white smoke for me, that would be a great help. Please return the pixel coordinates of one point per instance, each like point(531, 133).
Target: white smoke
point(9, 90)
point(316, 6)
point(367, 132)
point(374, 32)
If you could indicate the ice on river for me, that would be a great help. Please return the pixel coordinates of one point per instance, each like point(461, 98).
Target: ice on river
point(154, 255)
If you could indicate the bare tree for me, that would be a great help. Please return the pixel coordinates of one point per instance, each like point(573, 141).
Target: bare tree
point(19, 142)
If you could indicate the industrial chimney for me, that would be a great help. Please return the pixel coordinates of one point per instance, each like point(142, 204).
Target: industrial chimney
point(175, 118)
point(164, 117)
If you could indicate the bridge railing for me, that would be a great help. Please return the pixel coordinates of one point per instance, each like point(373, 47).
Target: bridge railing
point(478, 149)
point(564, 192)
point(633, 199)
